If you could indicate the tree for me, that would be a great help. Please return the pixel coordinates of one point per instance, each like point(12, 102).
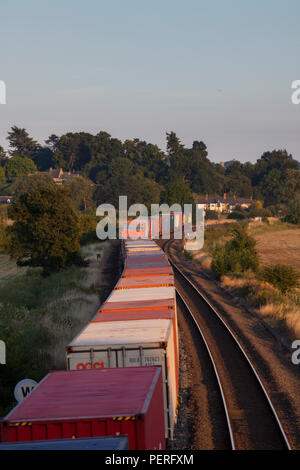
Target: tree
point(72, 151)
point(293, 211)
point(26, 184)
point(43, 158)
point(177, 193)
point(17, 166)
point(292, 184)
point(52, 142)
point(2, 175)
point(20, 143)
point(81, 191)
point(46, 230)
point(121, 178)
point(273, 184)
point(173, 143)
point(3, 156)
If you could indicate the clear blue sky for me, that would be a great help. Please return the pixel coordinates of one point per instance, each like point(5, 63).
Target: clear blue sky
point(213, 70)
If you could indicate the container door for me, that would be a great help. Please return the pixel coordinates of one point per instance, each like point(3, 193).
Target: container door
point(151, 357)
point(92, 359)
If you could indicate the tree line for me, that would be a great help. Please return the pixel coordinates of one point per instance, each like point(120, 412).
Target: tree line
point(145, 173)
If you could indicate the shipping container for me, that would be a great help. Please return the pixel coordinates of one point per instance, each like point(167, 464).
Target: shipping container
point(130, 344)
point(92, 403)
point(90, 443)
point(159, 258)
point(137, 314)
point(148, 304)
point(154, 226)
point(143, 314)
point(146, 270)
point(136, 230)
point(141, 245)
point(144, 281)
point(145, 242)
point(143, 249)
point(141, 294)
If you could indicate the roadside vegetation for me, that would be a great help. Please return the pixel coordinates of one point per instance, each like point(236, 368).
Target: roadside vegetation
point(271, 288)
point(40, 315)
point(50, 279)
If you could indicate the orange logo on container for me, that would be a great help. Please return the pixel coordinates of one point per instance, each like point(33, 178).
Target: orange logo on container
point(89, 365)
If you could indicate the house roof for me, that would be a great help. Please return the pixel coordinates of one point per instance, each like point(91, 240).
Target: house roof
point(227, 200)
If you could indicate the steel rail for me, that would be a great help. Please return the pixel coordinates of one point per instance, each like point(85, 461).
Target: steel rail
point(228, 329)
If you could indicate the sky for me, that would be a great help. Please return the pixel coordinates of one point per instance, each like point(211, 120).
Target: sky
point(219, 71)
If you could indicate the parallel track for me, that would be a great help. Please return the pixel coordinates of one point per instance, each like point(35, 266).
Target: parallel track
point(252, 421)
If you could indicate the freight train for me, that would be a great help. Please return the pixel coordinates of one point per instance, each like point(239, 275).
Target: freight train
point(122, 368)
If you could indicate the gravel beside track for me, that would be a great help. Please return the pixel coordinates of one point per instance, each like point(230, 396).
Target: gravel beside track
point(253, 422)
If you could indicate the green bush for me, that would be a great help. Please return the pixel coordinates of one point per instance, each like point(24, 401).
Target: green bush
point(237, 255)
point(263, 297)
point(281, 276)
point(211, 215)
point(238, 215)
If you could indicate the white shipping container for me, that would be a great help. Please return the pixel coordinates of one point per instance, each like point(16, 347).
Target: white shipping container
point(142, 293)
point(139, 242)
point(135, 249)
point(130, 344)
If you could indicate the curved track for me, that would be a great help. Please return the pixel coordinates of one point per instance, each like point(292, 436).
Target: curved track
point(252, 421)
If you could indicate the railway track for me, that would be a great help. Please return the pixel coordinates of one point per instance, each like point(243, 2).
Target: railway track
point(252, 422)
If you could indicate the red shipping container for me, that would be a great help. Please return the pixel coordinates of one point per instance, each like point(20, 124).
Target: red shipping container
point(92, 403)
point(140, 314)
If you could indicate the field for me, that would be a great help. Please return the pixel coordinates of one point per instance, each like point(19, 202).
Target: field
point(279, 247)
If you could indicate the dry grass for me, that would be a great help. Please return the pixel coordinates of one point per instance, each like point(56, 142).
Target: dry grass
point(277, 309)
point(279, 247)
point(206, 263)
point(9, 268)
point(287, 313)
point(76, 307)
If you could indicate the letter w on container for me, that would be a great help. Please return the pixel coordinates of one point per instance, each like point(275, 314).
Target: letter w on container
point(2, 352)
point(2, 92)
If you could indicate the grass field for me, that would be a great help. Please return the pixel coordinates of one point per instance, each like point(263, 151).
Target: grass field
point(282, 246)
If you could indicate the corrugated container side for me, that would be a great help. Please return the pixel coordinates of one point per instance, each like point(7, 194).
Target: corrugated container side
point(145, 281)
point(131, 271)
point(141, 294)
point(151, 259)
point(131, 305)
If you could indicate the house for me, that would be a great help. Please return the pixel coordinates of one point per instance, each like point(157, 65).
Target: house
point(222, 204)
point(6, 199)
point(60, 176)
